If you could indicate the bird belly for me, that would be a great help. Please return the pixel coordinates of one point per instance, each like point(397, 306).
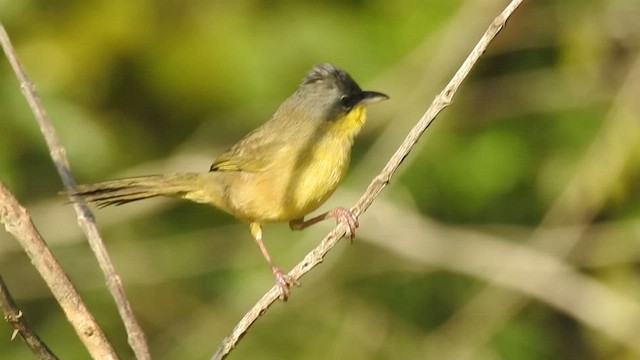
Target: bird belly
point(292, 191)
point(315, 185)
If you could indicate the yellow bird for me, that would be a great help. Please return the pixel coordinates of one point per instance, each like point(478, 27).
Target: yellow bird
point(280, 172)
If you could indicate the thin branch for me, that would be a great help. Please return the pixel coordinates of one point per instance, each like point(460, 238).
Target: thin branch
point(379, 182)
point(16, 318)
point(17, 222)
point(593, 181)
point(86, 221)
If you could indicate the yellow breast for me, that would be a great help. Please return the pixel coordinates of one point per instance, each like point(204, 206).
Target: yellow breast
point(305, 176)
point(327, 164)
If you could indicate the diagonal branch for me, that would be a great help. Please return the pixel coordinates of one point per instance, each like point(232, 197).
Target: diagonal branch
point(15, 318)
point(596, 176)
point(375, 187)
point(18, 222)
point(86, 221)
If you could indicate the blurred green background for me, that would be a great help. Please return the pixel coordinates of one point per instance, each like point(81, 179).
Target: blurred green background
point(512, 231)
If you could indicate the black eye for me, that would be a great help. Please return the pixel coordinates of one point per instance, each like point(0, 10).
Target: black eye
point(346, 102)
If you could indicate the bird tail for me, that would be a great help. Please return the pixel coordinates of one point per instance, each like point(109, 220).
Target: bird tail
point(122, 191)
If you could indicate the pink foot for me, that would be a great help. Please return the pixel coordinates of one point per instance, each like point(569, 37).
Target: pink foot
point(346, 217)
point(283, 282)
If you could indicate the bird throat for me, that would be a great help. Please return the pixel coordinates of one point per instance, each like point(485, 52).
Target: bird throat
point(350, 124)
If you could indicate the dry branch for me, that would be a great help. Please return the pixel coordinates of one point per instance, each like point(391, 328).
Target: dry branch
point(16, 318)
point(17, 222)
point(136, 337)
point(594, 180)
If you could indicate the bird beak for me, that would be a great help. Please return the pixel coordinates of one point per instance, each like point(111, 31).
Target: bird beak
point(371, 97)
point(363, 98)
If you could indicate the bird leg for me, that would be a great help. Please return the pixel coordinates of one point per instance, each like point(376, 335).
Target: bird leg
point(342, 216)
point(283, 281)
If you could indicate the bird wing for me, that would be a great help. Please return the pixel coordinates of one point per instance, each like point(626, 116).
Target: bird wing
point(251, 156)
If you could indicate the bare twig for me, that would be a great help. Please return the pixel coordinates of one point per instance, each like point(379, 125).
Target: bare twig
point(604, 163)
point(136, 337)
point(379, 182)
point(14, 316)
point(17, 221)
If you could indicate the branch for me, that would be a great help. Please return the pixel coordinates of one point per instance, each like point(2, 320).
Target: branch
point(17, 222)
point(15, 318)
point(86, 221)
point(594, 180)
point(379, 182)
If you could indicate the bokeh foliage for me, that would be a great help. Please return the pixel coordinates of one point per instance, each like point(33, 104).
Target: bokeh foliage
point(136, 87)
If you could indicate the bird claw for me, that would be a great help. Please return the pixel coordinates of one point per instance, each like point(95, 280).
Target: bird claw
point(283, 282)
point(346, 217)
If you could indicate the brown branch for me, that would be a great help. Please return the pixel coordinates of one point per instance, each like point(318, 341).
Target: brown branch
point(593, 181)
point(136, 337)
point(17, 222)
point(379, 182)
point(15, 318)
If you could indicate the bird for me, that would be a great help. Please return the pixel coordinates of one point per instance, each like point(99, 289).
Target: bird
point(280, 172)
